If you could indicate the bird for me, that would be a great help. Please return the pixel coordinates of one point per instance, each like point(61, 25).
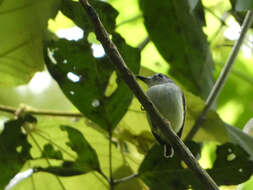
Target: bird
point(169, 99)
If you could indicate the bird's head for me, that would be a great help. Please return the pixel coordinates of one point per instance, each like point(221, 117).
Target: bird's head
point(155, 79)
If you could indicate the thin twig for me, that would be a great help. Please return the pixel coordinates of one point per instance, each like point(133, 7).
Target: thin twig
point(13, 110)
point(223, 75)
point(222, 20)
point(163, 124)
point(143, 44)
point(8, 109)
point(129, 20)
point(125, 179)
point(103, 175)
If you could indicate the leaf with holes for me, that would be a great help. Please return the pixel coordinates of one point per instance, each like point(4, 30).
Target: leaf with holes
point(162, 173)
point(86, 160)
point(85, 79)
point(14, 150)
point(239, 137)
point(231, 167)
point(180, 40)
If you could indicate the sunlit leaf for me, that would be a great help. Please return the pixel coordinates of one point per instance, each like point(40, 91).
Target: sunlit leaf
point(21, 38)
point(86, 160)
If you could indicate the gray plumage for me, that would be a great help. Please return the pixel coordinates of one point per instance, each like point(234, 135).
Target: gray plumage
point(169, 100)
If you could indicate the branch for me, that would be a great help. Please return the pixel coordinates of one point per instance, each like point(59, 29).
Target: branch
point(129, 20)
point(143, 44)
point(223, 76)
point(163, 124)
point(124, 179)
point(13, 110)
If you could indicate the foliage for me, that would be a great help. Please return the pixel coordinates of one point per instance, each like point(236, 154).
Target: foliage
point(112, 138)
point(231, 166)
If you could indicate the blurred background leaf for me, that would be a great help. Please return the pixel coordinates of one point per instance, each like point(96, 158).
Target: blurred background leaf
point(21, 39)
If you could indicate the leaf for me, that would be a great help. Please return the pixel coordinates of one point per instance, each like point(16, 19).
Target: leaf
point(133, 184)
point(213, 127)
point(49, 152)
point(232, 166)
point(76, 12)
point(21, 38)
point(180, 40)
point(244, 5)
point(86, 161)
point(161, 173)
point(14, 150)
point(88, 92)
point(237, 136)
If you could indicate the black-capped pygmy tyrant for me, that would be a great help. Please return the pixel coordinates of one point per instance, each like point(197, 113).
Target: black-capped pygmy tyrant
point(170, 101)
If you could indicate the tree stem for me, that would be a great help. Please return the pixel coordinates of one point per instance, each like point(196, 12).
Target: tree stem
point(163, 124)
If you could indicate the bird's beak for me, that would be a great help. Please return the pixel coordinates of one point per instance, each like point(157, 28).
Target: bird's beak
point(144, 79)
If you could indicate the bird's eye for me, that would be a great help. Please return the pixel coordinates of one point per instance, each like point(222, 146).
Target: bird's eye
point(160, 75)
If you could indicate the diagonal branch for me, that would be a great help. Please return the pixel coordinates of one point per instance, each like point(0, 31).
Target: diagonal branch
point(163, 124)
point(223, 76)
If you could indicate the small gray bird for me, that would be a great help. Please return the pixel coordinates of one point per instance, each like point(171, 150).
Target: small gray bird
point(170, 101)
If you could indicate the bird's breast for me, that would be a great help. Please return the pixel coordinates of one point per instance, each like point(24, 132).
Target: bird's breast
point(168, 100)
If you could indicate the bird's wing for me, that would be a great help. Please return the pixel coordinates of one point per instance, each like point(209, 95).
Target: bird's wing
point(180, 132)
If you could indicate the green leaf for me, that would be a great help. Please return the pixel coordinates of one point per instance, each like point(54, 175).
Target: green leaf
point(49, 152)
point(76, 12)
point(232, 166)
point(178, 36)
point(21, 38)
point(162, 173)
point(14, 150)
point(237, 136)
point(88, 93)
point(213, 127)
point(243, 5)
point(85, 162)
point(193, 4)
